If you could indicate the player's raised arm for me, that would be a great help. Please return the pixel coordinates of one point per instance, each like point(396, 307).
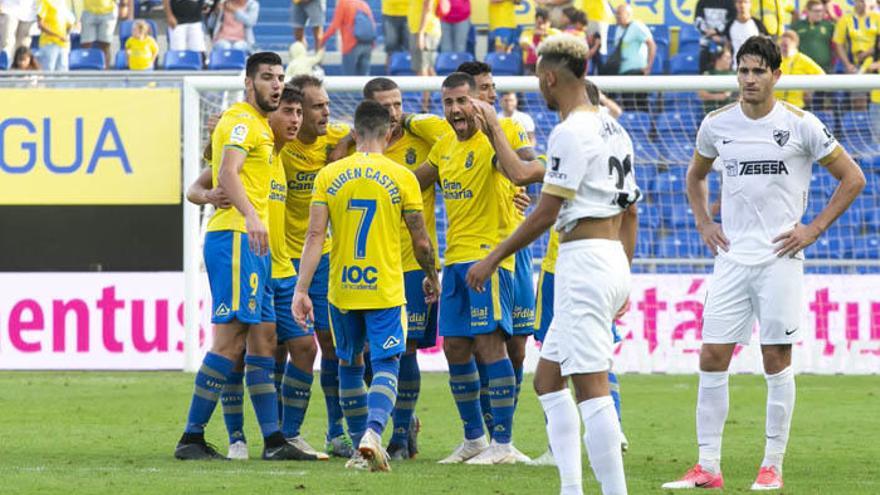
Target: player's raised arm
point(510, 163)
point(228, 178)
point(424, 253)
point(698, 197)
point(201, 192)
point(311, 256)
point(427, 175)
point(852, 182)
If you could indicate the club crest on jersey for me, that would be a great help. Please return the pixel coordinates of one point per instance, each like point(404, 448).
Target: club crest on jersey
point(469, 161)
point(781, 137)
point(239, 134)
point(252, 305)
point(410, 156)
point(730, 167)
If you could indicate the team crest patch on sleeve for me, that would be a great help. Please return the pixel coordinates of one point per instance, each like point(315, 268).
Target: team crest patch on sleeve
point(410, 156)
point(239, 134)
point(469, 161)
point(781, 137)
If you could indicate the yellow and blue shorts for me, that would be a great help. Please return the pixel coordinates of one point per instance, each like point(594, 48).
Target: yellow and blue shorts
point(318, 292)
point(421, 317)
point(239, 278)
point(281, 290)
point(467, 313)
point(523, 294)
point(384, 329)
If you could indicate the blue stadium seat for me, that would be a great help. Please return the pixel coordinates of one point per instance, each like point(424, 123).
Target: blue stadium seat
point(636, 123)
point(660, 32)
point(505, 64)
point(87, 59)
point(660, 63)
point(691, 48)
point(645, 244)
point(688, 34)
point(120, 61)
point(401, 64)
point(677, 125)
point(4, 60)
point(684, 63)
point(866, 247)
point(672, 181)
point(227, 60)
point(827, 118)
point(649, 216)
point(125, 28)
point(645, 151)
point(448, 62)
point(856, 124)
point(182, 60)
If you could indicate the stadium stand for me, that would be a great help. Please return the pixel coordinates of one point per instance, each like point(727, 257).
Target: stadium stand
point(182, 60)
point(87, 59)
point(4, 61)
point(227, 60)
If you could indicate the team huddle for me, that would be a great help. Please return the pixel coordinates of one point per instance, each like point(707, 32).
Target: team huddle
point(327, 233)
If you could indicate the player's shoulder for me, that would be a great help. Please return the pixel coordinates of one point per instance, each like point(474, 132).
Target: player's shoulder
point(337, 131)
point(577, 123)
point(725, 111)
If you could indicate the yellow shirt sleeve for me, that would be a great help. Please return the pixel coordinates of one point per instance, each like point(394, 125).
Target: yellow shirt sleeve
point(240, 135)
point(427, 126)
point(516, 134)
point(319, 194)
point(411, 192)
point(434, 155)
point(839, 36)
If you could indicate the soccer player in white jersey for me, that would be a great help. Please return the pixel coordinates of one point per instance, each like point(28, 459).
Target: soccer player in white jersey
point(767, 149)
point(589, 191)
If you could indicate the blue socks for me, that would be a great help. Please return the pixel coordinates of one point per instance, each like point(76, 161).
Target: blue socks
point(408, 388)
point(614, 385)
point(208, 384)
point(464, 381)
point(485, 404)
point(518, 374)
point(353, 399)
point(295, 393)
point(279, 374)
point(232, 400)
point(330, 385)
point(502, 386)
point(261, 388)
point(383, 393)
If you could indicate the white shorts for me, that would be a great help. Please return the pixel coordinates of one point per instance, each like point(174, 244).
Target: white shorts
point(772, 292)
point(592, 282)
point(187, 37)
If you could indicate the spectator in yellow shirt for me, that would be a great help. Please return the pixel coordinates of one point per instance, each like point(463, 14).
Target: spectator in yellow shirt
point(795, 63)
point(141, 48)
point(773, 14)
point(871, 65)
point(502, 15)
point(532, 37)
point(394, 27)
point(856, 34)
point(599, 17)
point(424, 38)
point(55, 20)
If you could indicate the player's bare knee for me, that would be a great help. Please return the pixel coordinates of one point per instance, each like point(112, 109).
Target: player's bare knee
point(516, 349)
point(457, 350)
point(302, 351)
point(325, 341)
point(229, 341)
point(548, 378)
point(590, 385)
point(262, 340)
point(716, 357)
point(490, 347)
point(776, 358)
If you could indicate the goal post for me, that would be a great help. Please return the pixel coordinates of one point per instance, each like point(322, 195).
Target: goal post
point(663, 138)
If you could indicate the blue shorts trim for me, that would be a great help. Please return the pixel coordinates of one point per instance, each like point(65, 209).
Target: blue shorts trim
point(523, 294)
point(384, 329)
point(239, 279)
point(615, 333)
point(421, 317)
point(544, 307)
point(282, 296)
point(466, 313)
point(318, 292)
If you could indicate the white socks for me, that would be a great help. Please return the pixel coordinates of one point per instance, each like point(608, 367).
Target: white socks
point(563, 430)
point(712, 406)
point(780, 406)
point(602, 439)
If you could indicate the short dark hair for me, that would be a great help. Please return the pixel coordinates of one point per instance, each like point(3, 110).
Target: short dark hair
point(575, 14)
point(260, 58)
point(291, 94)
point(762, 47)
point(371, 119)
point(304, 81)
point(592, 91)
point(474, 68)
point(542, 13)
point(456, 79)
point(377, 85)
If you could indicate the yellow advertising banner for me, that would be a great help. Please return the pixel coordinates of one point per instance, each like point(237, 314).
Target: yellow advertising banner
point(89, 146)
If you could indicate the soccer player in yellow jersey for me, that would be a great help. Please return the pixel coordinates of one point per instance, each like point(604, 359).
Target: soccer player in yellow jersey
point(303, 158)
point(467, 163)
point(295, 341)
point(364, 198)
point(237, 260)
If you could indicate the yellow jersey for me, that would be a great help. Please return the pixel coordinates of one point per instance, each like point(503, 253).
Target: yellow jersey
point(549, 263)
point(502, 15)
point(797, 64)
point(301, 164)
point(859, 32)
point(509, 214)
point(414, 18)
point(242, 127)
point(411, 151)
point(59, 19)
point(598, 10)
point(398, 8)
point(875, 94)
point(366, 195)
point(282, 267)
point(774, 14)
point(141, 53)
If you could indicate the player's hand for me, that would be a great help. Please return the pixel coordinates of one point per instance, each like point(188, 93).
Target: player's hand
point(478, 273)
point(714, 237)
point(217, 197)
point(485, 115)
point(623, 310)
point(521, 200)
point(431, 288)
point(212, 122)
point(796, 239)
point(258, 235)
point(301, 306)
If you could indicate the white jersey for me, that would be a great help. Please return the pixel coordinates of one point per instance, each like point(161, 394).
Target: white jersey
point(590, 165)
point(766, 166)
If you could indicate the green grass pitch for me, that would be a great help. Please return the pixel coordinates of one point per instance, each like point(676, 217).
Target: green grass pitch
point(112, 433)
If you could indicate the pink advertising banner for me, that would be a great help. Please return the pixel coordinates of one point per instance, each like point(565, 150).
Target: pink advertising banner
point(134, 321)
